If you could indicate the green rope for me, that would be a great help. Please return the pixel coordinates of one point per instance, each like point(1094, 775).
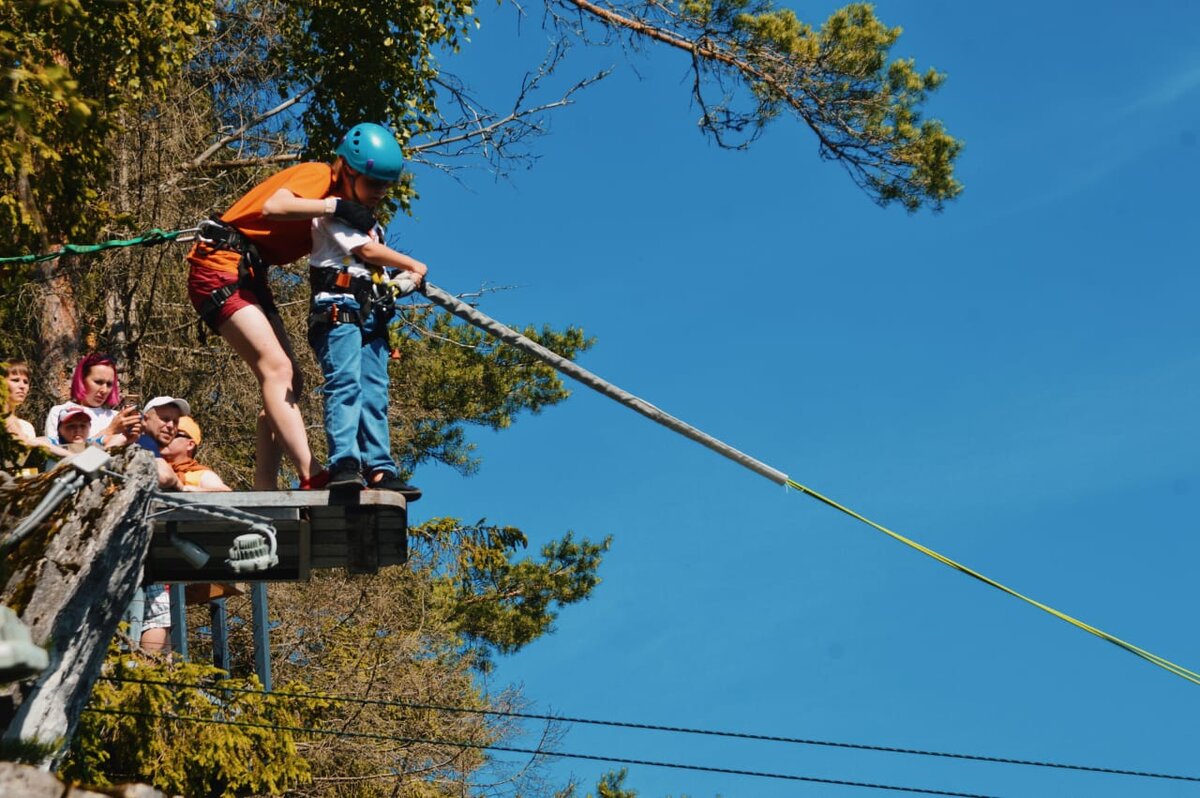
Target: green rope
point(149, 238)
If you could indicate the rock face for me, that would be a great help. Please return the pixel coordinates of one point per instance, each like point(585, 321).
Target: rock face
point(70, 581)
point(24, 781)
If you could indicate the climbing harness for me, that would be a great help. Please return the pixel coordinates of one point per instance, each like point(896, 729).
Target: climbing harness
point(252, 272)
point(376, 293)
point(340, 281)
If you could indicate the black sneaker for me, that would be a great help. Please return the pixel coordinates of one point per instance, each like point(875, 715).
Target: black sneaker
point(391, 481)
point(345, 477)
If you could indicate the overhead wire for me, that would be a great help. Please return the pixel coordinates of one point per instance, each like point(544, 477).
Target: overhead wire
point(661, 728)
point(550, 754)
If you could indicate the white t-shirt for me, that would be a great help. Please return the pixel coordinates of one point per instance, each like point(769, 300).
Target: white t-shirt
point(28, 433)
point(101, 418)
point(333, 244)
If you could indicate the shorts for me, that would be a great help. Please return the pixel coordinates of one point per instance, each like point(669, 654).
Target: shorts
point(203, 280)
point(157, 609)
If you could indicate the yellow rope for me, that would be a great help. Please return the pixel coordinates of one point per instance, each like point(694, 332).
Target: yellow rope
point(1178, 670)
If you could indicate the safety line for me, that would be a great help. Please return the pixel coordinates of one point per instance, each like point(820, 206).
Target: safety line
point(509, 336)
point(1178, 670)
point(462, 310)
point(655, 727)
point(536, 752)
point(471, 315)
point(149, 238)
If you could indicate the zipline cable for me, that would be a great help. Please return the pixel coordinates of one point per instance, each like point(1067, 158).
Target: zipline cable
point(513, 338)
point(1178, 670)
point(536, 752)
point(652, 727)
point(472, 316)
point(509, 336)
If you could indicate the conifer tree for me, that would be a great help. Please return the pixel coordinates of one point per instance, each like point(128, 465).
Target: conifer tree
point(120, 117)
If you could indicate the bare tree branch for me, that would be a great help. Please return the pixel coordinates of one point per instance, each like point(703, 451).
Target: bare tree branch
point(237, 134)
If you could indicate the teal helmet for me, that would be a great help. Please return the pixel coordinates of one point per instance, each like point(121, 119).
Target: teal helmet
point(372, 150)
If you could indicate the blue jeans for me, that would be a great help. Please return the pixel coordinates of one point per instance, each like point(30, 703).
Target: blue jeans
point(354, 361)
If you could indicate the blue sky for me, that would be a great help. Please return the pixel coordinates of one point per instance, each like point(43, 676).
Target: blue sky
point(1013, 382)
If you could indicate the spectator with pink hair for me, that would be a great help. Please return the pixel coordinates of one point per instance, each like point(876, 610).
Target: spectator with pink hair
point(94, 386)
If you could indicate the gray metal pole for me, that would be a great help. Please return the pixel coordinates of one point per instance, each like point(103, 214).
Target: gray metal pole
point(219, 622)
point(262, 637)
point(179, 638)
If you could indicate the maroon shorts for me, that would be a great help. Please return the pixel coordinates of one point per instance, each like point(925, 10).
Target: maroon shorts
point(203, 281)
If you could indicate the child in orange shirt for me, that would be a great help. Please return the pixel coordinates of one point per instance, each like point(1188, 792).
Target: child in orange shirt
point(227, 283)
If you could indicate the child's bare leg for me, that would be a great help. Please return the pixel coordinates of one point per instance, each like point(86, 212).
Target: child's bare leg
point(156, 640)
point(250, 334)
point(269, 454)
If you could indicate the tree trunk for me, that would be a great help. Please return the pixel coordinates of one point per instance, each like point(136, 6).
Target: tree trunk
point(70, 582)
point(57, 329)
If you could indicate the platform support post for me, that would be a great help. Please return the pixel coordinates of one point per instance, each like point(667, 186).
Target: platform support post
point(179, 640)
point(262, 637)
point(219, 623)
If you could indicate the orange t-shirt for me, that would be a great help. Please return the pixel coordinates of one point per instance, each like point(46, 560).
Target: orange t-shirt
point(278, 241)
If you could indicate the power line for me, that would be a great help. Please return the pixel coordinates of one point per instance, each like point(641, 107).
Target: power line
point(537, 752)
point(681, 730)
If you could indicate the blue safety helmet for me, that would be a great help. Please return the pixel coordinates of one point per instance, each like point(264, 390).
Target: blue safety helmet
point(372, 150)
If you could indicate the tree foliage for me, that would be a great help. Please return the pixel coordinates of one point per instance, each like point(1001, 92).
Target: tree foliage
point(753, 62)
point(212, 736)
point(497, 604)
point(610, 785)
point(339, 47)
point(390, 663)
point(119, 117)
point(70, 69)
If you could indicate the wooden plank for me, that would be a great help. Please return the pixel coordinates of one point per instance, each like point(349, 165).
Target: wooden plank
point(357, 531)
point(363, 543)
point(249, 499)
point(270, 513)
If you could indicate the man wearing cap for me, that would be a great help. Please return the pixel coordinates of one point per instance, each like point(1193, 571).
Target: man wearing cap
point(160, 418)
point(180, 455)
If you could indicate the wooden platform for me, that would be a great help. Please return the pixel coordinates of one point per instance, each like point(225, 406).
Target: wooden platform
point(360, 531)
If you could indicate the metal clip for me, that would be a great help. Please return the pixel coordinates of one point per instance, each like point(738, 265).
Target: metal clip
point(211, 232)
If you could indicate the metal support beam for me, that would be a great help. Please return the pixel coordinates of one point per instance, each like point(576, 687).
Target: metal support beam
point(262, 637)
point(179, 641)
point(219, 622)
